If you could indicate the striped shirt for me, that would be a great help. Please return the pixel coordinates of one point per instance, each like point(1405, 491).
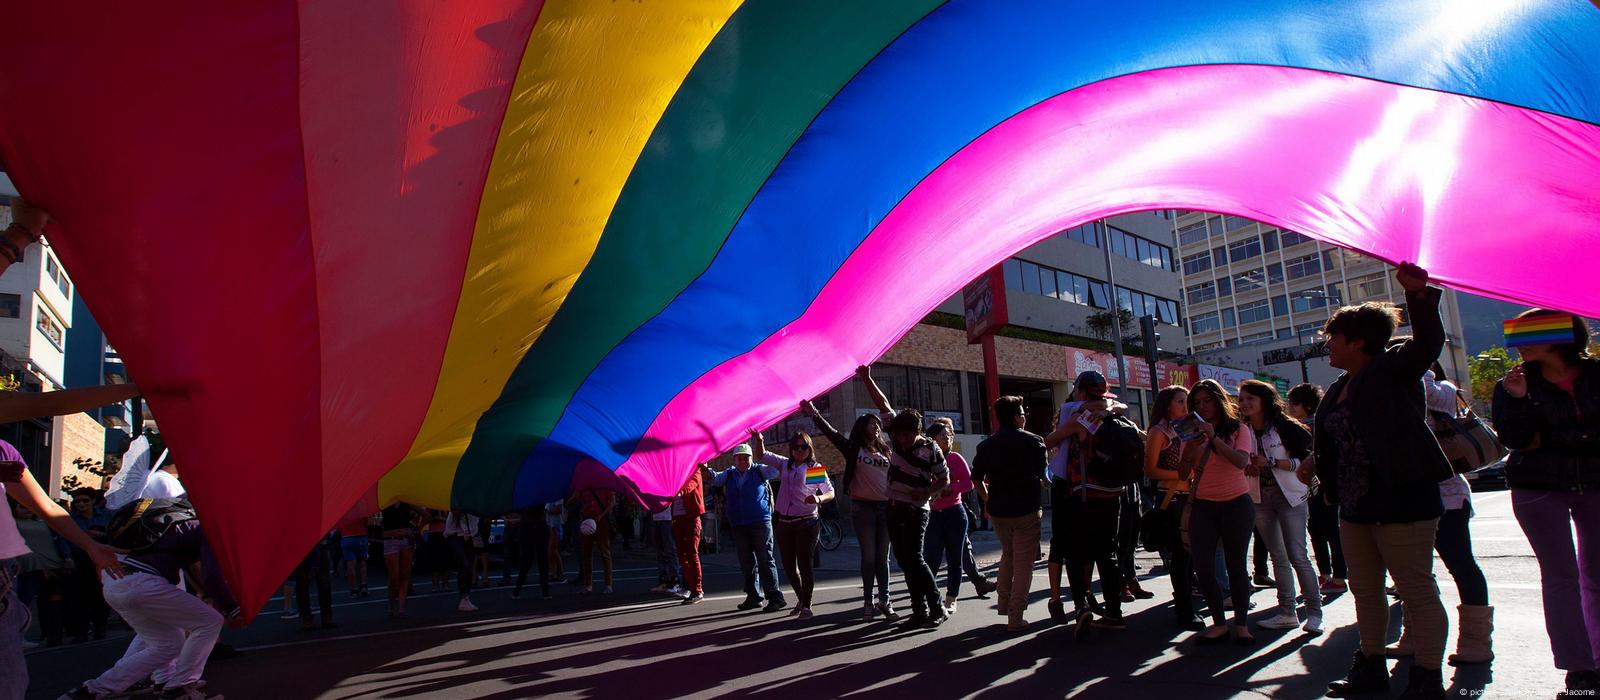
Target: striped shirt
point(912, 472)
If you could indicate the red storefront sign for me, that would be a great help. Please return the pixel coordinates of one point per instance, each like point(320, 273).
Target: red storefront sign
point(984, 302)
point(1080, 360)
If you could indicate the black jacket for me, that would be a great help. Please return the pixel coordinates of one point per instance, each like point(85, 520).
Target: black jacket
point(1013, 462)
point(1567, 428)
point(1390, 413)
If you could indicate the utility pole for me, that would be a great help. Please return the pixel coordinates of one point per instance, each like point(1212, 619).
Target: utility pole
point(1116, 311)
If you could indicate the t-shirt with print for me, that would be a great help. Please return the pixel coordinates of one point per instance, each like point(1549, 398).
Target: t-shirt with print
point(871, 479)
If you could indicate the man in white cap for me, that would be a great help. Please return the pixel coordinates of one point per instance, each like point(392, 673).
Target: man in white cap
point(749, 510)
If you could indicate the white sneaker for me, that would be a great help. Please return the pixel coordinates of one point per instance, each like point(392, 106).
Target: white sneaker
point(678, 591)
point(950, 605)
point(466, 606)
point(1313, 625)
point(1281, 621)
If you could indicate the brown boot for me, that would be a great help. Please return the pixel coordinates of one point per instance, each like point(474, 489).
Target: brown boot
point(1472, 641)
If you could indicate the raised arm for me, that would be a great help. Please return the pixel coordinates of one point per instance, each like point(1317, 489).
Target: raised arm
point(17, 405)
point(1427, 328)
point(878, 399)
point(839, 441)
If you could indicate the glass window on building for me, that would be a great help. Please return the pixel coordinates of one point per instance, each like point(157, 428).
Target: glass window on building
point(1073, 288)
point(1193, 233)
point(1197, 263)
point(1166, 258)
point(1219, 256)
point(1304, 266)
point(1275, 273)
point(1227, 318)
point(1244, 282)
point(51, 330)
point(1240, 251)
point(1256, 338)
point(1124, 299)
point(1285, 333)
point(10, 306)
point(1168, 311)
point(1205, 291)
point(1013, 271)
point(1254, 312)
point(1119, 243)
point(1237, 222)
point(1291, 239)
point(1204, 323)
point(1309, 330)
point(1099, 295)
point(1280, 305)
point(1269, 241)
point(1047, 283)
point(1030, 277)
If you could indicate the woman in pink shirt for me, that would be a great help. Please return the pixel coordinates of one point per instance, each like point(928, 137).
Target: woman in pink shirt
point(947, 524)
point(1221, 512)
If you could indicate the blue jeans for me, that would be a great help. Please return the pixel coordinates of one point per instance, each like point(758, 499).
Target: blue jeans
point(871, 522)
point(754, 543)
point(947, 533)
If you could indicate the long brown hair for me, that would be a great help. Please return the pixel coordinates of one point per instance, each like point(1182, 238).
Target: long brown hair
point(1163, 401)
point(1229, 420)
point(1271, 402)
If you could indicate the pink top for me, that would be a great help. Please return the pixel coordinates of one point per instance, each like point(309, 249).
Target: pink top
point(960, 481)
point(1220, 480)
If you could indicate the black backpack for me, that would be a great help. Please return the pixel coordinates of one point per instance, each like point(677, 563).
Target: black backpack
point(1116, 453)
point(137, 526)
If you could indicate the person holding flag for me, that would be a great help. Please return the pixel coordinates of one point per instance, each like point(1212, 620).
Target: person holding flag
point(803, 485)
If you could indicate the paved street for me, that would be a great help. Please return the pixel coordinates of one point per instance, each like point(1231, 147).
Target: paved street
point(634, 644)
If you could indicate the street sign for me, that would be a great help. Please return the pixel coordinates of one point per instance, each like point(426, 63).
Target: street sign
point(984, 303)
point(1298, 353)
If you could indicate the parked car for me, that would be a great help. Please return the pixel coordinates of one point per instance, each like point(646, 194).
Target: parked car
point(1492, 477)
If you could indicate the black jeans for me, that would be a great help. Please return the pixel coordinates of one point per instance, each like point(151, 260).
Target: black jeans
point(1180, 566)
point(1454, 545)
point(908, 525)
point(314, 567)
point(532, 547)
point(1325, 544)
point(86, 607)
point(1128, 534)
point(1094, 541)
point(1230, 524)
point(796, 542)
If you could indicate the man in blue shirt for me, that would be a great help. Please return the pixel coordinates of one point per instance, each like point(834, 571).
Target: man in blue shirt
point(86, 609)
point(749, 510)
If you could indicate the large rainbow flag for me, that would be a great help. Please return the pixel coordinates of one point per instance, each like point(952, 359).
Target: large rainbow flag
point(481, 252)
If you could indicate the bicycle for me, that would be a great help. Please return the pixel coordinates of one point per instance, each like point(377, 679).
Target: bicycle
point(830, 535)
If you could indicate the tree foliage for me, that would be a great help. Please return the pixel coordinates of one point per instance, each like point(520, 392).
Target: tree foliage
point(1486, 368)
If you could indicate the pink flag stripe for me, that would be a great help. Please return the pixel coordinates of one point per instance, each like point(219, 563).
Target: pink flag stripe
point(1490, 198)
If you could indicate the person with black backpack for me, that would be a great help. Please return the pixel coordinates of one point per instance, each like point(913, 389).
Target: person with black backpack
point(174, 631)
point(1107, 455)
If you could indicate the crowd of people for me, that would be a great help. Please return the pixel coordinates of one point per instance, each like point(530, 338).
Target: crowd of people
point(1343, 489)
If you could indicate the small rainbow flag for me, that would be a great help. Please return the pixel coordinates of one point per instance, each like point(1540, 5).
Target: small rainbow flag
point(816, 474)
point(1539, 330)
